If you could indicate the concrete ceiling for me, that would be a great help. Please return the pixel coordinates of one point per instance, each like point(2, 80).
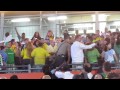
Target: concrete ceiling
point(17, 13)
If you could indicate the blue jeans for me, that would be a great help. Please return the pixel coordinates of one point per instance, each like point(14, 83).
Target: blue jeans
point(113, 64)
point(25, 62)
point(38, 68)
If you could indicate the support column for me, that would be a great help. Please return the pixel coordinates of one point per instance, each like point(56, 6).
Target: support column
point(96, 21)
point(56, 24)
point(41, 31)
point(2, 27)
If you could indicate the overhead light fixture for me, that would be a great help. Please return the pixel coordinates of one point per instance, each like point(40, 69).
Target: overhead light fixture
point(51, 18)
point(82, 25)
point(21, 20)
point(61, 17)
point(57, 18)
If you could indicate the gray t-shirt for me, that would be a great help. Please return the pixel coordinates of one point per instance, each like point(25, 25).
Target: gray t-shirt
point(63, 48)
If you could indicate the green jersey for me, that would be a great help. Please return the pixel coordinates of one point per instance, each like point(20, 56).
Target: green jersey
point(92, 55)
point(10, 54)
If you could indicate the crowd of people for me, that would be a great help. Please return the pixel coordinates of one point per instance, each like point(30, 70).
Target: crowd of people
point(87, 51)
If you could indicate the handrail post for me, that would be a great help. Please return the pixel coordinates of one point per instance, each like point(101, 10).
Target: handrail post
point(29, 68)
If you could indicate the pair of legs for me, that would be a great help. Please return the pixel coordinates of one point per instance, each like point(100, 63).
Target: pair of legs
point(77, 66)
point(25, 62)
point(37, 68)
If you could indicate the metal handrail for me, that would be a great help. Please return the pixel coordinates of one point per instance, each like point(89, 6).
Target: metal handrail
point(95, 68)
point(13, 71)
point(15, 66)
point(30, 68)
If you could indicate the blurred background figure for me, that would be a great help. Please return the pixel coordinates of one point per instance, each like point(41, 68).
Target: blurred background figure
point(113, 76)
point(117, 30)
point(7, 38)
point(14, 77)
point(3, 77)
point(46, 77)
point(117, 47)
point(98, 76)
point(49, 36)
point(22, 37)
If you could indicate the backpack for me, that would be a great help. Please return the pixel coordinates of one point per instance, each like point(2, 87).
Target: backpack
point(56, 60)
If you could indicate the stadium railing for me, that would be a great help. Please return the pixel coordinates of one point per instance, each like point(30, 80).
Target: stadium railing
point(14, 68)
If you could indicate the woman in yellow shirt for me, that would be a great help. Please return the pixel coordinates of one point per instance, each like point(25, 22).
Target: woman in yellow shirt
point(40, 56)
point(26, 54)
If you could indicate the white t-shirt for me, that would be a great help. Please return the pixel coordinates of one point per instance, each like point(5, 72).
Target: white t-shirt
point(68, 75)
point(109, 55)
point(7, 39)
point(77, 51)
point(90, 75)
point(64, 75)
point(59, 74)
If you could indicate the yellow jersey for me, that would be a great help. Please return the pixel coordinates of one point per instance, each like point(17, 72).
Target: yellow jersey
point(45, 46)
point(97, 39)
point(13, 48)
point(39, 55)
point(24, 54)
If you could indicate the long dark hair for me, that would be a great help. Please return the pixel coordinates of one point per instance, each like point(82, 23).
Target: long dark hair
point(108, 40)
point(118, 40)
point(36, 42)
point(38, 37)
point(106, 47)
